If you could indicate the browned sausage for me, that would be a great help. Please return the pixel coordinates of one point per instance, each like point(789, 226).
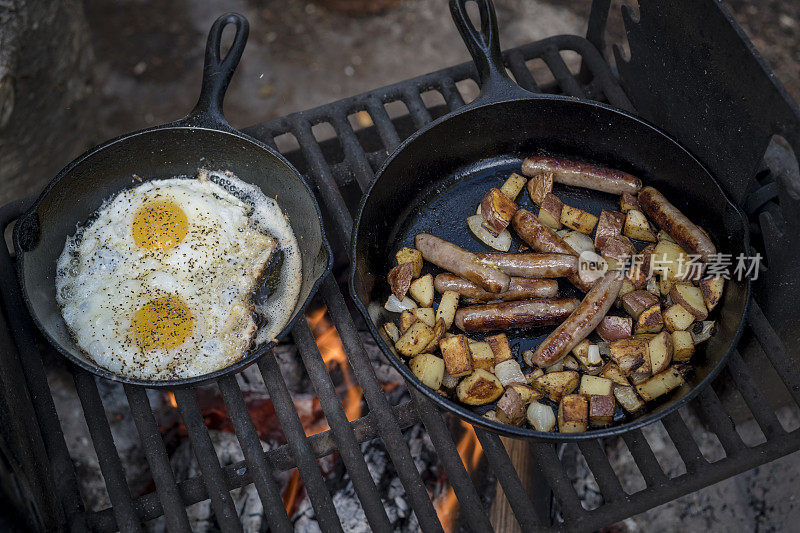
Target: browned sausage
point(518, 289)
point(580, 323)
point(530, 265)
point(519, 314)
point(450, 257)
point(545, 240)
point(584, 175)
point(670, 219)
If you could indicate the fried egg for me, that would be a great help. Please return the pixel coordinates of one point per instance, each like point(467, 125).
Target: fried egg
point(160, 284)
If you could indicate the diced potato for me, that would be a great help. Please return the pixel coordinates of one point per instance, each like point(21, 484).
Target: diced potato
point(613, 328)
point(449, 382)
point(601, 409)
point(629, 354)
point(573, 414)
point(595, 385)
point(426, 315)
point(712, 291)
point(660, 384)
point(610, 224)
point(579, 242)
point(457, 356)
point(637, 227)
point(664, 285)
point(531, 374)
point(677, 318)
point(581, 350)
point(511, 408)
point(500, 347)
point(628, 399)
point(690, 298)
point(482, 355)
point(682, 346)
point(415, 339)
point(407, 318)
point(650, 321)
point(627, 287)
point(447, 308)
point(556, 385)
point(429, 369)
point(652, 286)
point(391, 331)
point(541, 417)
point(637, 276)
point(670, 261)
point(526, 392)
point(491, 415)
point(578, 219)
point(588, 355)
point(422, 290)
point(628, 202)
point(620, 249)
point(410, 255)
point(637, 302)
point(439, 330)
point(570, 363)
point(509, 372)
point(399, 279)
point(664, 236)
point(479, 388)
point(550, 211)
point(497, 209)
point(539, 187)
point(660, 350)
point(513, 185)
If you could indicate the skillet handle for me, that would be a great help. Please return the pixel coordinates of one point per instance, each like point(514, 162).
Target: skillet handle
point(217, 72)
point(484, 46)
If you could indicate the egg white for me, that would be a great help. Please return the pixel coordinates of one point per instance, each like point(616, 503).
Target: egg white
point(104, 277)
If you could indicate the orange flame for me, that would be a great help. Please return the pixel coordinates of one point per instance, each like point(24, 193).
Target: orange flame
point(332, 352)
point(171, 399)
point(470, 451)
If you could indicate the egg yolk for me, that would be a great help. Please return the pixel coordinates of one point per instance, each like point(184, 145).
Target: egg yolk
point(163, 323)
point(159, 225)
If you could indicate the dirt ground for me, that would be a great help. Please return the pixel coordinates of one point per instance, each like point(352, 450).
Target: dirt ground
point(301, 55)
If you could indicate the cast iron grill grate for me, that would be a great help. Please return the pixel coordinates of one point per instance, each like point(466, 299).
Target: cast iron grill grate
point(339, 168)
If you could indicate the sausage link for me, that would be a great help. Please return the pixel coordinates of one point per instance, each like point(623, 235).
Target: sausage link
point(670, 219)
point(580, 323)
point(518, 289)
point(450, 257)
point(584, 175)
point(531, 265)
point(519, 314)
point(545, 240)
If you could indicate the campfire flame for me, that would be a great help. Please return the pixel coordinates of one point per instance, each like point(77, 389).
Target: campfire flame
point(470, 451)
point(332, 352)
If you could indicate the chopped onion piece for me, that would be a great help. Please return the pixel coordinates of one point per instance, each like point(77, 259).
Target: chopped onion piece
point(398, 306)
point(580, 242)
point(593, 355)
point(555, 367)
point(541, 417)
point(509, 372)
point(502, 242)
point(702, 331)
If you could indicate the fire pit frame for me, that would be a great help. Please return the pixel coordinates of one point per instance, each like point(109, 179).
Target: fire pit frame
point(40, 478)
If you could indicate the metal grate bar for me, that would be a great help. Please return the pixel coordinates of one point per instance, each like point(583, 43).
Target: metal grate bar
point(644, 457)
point(598, 463)
point(107, 456)
point(258, 467)
point(349, 450)
point(352, 150)
point(416, 107)
point(682, 438)
point(561, 72)
point(384, 417)
point(553, 471)
point(298, 443)
point(383, 123)
point(471, 510)
point(221, 501)
point(451, 95)
point(756, 402)
point(719, 421)
point(784, 364)
point(168, 496)
point(521, 72)
point(515, 492)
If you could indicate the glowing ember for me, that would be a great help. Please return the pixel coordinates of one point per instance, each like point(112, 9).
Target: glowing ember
point(470, 451)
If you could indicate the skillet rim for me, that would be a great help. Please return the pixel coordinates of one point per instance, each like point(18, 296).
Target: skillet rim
point(237, 366)
point(476, 419)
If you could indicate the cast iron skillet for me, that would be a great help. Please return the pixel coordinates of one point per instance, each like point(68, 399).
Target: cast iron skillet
point(202, 139)
point(438, 176)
